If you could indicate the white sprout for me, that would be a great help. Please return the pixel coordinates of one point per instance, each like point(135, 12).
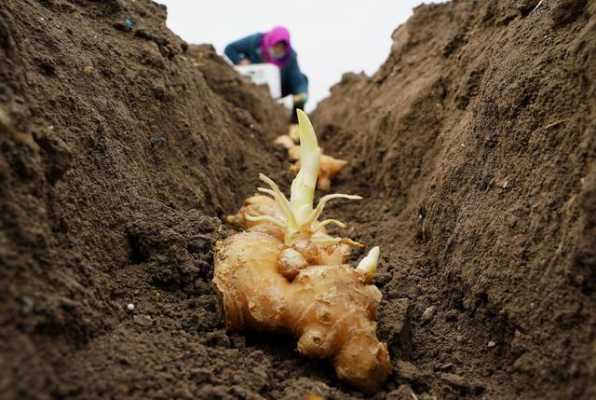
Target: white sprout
point(300, 216)
point(368, 265)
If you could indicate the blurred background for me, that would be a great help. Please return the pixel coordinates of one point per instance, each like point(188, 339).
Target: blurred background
point(330, 37)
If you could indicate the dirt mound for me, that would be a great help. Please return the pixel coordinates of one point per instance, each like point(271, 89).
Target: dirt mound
point(477, 141)
point(120, 147)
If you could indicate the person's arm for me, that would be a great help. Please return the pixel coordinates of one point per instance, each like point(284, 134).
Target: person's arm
point(297, 81)
point(240, 49)
point(300, 98)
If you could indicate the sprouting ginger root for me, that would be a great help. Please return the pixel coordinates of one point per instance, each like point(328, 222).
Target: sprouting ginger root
point(329, 166)
point(294, 132)
point(258, 205)
point(286, 142)
point(313, 247)
point(330, 308)
point(286, 274)
point(336, 252)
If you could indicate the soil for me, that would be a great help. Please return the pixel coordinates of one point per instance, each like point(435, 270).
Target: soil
point(122, 148)
point(476, 143)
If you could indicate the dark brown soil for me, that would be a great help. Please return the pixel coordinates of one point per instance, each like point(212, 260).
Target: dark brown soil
point(476, 143)
point(121, 147)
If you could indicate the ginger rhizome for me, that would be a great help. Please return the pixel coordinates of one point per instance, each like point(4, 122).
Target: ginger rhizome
point(286, 273)
point(329, 166)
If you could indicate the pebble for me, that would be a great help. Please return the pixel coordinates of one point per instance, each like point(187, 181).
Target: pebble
point(429, 313)
point(28, 304)
point(130, 307)
point(491, 344)
point(88, 70)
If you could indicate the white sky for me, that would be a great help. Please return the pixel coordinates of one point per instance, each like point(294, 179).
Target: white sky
point(330, 36)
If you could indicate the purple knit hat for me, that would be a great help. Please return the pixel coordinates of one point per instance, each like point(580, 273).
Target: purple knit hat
point(270, 39)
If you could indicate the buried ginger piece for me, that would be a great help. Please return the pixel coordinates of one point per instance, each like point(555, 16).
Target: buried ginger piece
point(287, 274)
point(328, 166)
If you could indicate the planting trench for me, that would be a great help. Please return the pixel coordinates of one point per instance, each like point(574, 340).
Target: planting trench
point(123, 147)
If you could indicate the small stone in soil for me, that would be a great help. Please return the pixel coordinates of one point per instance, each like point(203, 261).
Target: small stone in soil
point(491, 344)
point(130, 307)
point(88, 70)
point(429, 313)
point(28, 304)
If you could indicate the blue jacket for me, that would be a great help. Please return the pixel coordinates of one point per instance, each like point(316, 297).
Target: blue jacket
point(293, 81)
